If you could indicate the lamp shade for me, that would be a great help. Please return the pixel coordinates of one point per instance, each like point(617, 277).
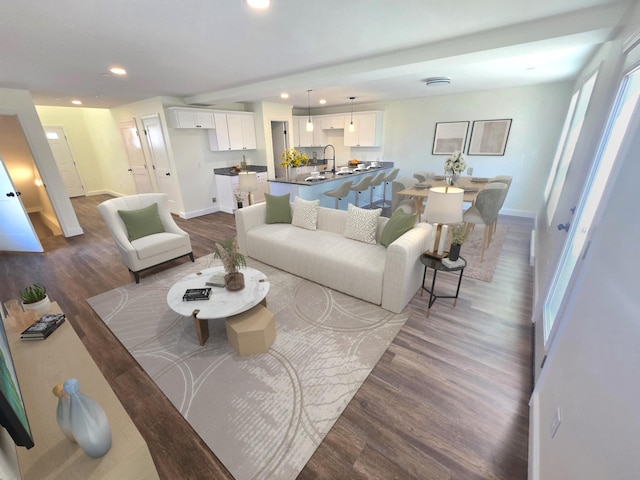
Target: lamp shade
point(247, 181)
point(444, 205)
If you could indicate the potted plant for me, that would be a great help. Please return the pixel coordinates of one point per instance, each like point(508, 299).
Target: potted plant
point(34, 297)
point(291, 158)
point(232, 261)
point(459, 234)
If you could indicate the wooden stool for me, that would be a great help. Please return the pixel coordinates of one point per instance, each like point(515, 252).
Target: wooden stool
point(251, 332)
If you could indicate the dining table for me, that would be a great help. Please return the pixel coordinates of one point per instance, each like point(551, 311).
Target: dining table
point(420, 191)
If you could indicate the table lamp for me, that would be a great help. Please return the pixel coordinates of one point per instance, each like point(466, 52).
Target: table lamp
point(444, 206)
point(248, 182)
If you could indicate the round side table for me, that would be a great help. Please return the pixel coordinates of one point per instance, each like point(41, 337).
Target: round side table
point(437, 266)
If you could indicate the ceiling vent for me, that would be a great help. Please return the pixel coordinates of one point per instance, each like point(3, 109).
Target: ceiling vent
point(436, 81)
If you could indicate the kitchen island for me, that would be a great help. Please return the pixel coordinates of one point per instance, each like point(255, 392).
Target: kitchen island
point(303, 186)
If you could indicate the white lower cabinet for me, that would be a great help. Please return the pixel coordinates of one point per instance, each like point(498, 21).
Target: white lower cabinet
point(227, 186)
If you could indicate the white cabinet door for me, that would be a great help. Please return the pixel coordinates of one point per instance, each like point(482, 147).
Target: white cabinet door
point(242, 131)
point(226, 185)
point(191, 118)
point(333, 122)
point(302, 138)
point(368, 130)
point(319, 137)
point(233, 132)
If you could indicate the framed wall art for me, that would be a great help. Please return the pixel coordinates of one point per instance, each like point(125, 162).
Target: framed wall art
point(449, 137)
point(489, 137)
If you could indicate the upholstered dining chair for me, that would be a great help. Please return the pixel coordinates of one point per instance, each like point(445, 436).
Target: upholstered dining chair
point(144, 231)
point(361, 186)
point(398, 185)
point(340, 192)
point(375, 182)
point(484, 211)
point(386, 180)
point(502, 179)
point(423, 176)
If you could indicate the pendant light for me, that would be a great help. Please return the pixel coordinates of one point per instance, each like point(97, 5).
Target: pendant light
point(309, 122)
point(352, 127)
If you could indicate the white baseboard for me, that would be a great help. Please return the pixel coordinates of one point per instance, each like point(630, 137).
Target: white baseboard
point(534, 437)
point(532, 248)
point(198, 213)
point(517, 213)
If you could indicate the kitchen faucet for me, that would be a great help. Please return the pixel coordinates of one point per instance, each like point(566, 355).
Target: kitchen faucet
point(324, 155)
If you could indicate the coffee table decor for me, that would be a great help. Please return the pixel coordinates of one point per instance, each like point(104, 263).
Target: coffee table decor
point(232, 261)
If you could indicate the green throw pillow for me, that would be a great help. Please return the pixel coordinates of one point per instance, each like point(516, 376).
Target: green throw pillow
point(278, 208)
point(398, 225)
point(143, 222)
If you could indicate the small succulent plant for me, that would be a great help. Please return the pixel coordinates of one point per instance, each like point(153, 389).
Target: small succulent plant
point(33, 293)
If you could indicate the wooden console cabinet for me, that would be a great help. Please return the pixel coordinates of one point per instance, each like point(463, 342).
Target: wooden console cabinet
point(39, 366)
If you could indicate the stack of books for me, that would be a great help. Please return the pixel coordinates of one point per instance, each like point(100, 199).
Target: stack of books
point(43, 327)
point(194, 294)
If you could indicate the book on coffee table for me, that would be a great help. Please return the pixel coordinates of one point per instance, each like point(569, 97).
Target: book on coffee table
point(194, 294)
point(216, 280)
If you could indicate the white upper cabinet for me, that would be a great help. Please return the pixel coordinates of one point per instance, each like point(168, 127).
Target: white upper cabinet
point(233, 131)
point(368, 130)
point(190, 118)
point(301, 138)
point(333, 122)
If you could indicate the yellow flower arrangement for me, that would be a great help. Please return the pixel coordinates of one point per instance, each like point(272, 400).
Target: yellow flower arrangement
point(292, 158)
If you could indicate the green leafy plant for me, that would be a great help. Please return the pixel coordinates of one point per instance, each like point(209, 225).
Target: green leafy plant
point(227, 251)
point(458, 233)
point(33, 293)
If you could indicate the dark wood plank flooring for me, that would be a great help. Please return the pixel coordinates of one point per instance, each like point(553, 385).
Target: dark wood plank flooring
point(448, 400)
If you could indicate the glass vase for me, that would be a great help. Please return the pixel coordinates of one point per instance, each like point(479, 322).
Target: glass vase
point(89, 424)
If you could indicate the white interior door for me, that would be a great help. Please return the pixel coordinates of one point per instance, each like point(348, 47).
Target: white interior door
point(137, 162)
point(64, 160)
point(160, 158)
point(16, 232)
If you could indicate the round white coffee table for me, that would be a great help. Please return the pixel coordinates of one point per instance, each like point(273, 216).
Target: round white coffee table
point(222, 303)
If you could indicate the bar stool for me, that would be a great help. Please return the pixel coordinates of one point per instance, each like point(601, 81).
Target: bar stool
point(340, 192)
point(388, 179)
point(361, 186)
point(376, 182)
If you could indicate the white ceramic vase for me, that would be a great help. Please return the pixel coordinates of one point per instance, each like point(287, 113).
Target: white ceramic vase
point(40, 307)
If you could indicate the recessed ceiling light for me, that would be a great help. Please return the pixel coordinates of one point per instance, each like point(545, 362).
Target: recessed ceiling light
point(76, 102)
point(322, 101)
point(260, 4)
point(284, 95)
point(436, 81)
point(118, 71)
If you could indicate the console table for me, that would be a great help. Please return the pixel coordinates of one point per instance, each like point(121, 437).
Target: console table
point(40, 365)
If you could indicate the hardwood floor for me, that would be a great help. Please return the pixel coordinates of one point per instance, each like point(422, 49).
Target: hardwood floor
point(448, 400)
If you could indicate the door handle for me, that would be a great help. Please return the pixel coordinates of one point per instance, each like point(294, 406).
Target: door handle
point(168, 174)
point(129, 170)
point(564, 226)
point(572, 210)
point(18, 194)
point(11, 194)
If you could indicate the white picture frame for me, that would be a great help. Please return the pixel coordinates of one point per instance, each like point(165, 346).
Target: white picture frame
point(449, 137)
point(489, 137)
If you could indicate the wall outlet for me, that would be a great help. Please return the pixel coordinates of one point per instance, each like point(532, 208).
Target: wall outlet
point(214, 200)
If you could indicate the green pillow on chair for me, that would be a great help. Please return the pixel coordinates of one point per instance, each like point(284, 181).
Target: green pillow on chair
point(143, 222)
point(278, 208)
point(399, 223)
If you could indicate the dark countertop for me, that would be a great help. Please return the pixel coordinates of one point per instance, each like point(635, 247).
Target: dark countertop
point(331, 176)
point(228, 170)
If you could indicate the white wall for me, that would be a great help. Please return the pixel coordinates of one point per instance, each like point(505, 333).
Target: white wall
point(537, 112)
point(19, 102)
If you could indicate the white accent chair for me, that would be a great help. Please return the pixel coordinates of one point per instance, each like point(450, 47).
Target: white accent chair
point(151, 250)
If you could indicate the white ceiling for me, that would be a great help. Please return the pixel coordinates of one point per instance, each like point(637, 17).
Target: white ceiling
point(216, 52)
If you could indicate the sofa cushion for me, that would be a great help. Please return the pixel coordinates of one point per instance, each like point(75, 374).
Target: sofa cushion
point(305, 213)
point(399, 223)
point(362, 224)
point(142, 222)
point(278, 208)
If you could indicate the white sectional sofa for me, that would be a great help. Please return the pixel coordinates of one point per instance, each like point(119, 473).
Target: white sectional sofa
point(385, 276)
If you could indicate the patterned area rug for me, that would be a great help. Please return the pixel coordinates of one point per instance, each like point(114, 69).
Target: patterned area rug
point(264, 415)
point(472, 248)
